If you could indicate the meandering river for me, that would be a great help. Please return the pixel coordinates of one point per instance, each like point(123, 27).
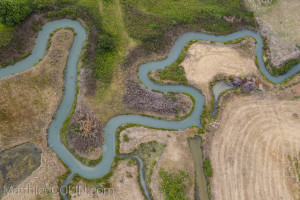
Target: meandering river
point(109, 147)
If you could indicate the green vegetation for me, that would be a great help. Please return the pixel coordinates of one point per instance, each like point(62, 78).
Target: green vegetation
point(175, 72)
point(290, 85)
point(295, 165)
point(174, 184)
point(207, 168)
point(150, 153)
point(277, 71)
point(157, 16)
point(125, 138)
point(235, 41)
point(106, 44)
point(13, 12)
point(208, 171)
point(6, 34)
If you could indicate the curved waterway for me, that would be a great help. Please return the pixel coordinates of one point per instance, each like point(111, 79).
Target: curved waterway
point(109, 148)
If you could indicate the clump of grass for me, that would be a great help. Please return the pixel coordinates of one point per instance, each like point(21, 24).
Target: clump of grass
point(207, 168)
point(208, 171)
point(277, 71)
point(175, 72)
point(6, 34)
point(173, 184)
point(295, 165)
point(125, 138)
point(155, 17)
point(149, 153)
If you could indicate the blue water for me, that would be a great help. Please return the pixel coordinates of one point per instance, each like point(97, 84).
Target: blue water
point(109, 131)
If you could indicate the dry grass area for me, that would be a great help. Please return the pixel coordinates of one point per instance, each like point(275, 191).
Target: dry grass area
point(28, 102)
point(176, 156)
point(250, 151)
point(280, 23)
point(205, 61)
point(125, 184)
point(29, 99)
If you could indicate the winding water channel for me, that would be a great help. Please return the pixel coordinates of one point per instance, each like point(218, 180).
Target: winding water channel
point(109, 148)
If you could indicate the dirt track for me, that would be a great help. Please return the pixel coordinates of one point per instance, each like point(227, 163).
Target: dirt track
point(249, 152)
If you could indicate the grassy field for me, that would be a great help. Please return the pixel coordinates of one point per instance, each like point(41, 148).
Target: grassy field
point(156, 17)
point(174, 184)
point(6, 34)
point(280, 24)
point(150, 153)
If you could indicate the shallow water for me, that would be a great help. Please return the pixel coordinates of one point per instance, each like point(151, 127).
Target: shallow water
point(70, 89)
point(217, 90)
point(201, 191)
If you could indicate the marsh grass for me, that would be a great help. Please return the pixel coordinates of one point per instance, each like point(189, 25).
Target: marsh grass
point(174, 184)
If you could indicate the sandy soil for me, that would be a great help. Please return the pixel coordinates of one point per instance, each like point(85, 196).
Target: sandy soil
point(176, 156)
point(249, 152)
point(205, 61)
point(124, 182)
point(280, 23)
point(296, 89)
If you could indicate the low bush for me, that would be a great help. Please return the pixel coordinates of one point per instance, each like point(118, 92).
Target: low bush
point(173, 184)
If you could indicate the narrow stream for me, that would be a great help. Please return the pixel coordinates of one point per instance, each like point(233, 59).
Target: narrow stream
point(217, 90)
point(109, 146)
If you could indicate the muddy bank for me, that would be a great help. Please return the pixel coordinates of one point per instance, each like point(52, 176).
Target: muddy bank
point(23, 40)
point(138, 98)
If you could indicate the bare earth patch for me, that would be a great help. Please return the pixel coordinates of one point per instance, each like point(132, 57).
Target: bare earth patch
point(205, 61)
point(176, 156)
point(250, 151)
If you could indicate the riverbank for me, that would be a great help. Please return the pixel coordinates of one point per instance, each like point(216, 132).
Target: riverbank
point(29, 101)
point(175, 157)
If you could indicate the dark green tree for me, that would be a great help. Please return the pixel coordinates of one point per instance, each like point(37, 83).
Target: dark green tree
point(106, 43)
point(13, 13)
